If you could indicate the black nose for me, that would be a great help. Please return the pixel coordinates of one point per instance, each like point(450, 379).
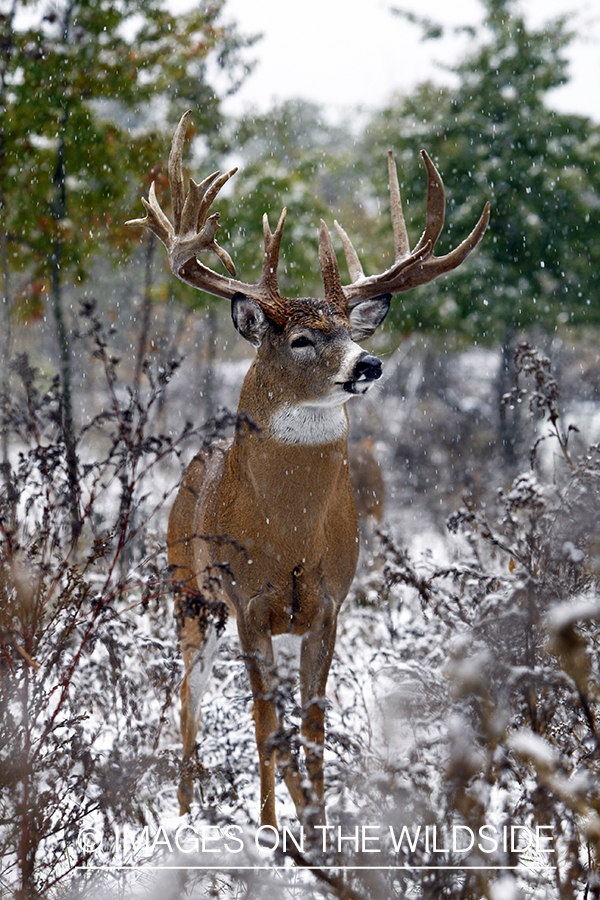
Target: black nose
point(368, 369)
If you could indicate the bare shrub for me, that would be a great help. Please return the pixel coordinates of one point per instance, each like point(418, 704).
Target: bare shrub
point(510, 711)
point(77, 607)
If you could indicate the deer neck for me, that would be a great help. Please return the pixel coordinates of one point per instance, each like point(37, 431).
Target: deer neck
point(290, 421)
point(298, 441)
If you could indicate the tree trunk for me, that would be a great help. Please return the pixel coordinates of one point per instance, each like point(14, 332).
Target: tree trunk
point(508, 425)
point(5, 297)
point(146, 311)
point(59, 213)
point(6, 348)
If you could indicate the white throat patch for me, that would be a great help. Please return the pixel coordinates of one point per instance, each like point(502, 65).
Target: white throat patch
point(309, 424)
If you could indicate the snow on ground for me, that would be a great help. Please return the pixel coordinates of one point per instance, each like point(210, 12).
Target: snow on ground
point(392, 655)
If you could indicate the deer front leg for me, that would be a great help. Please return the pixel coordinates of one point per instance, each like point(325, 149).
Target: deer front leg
point(198, 640)
point(257, 648)
point(315, 662)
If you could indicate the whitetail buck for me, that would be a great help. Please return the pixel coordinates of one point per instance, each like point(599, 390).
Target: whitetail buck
point(266, 521)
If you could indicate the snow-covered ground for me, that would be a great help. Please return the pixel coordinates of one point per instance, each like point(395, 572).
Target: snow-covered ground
point(442, 660)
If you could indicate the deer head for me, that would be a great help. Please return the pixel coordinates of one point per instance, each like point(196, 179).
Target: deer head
point(364, 302)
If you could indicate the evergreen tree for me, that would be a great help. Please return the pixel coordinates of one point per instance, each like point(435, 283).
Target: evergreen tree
point(496, 137)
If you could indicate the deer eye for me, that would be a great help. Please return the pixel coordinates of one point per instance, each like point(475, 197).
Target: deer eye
point(300, 342)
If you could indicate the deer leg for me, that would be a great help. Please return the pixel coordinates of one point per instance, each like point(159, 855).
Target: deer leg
point(315, 662)
point(198, 640)
point(268, 722)
point(260, 665)
point(288, 662)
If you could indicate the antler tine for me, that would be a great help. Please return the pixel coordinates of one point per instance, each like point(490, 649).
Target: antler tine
point(438, 265)
point(155, 218)
point(353, 262)
point(329, 269)
point(420, 266)
point(195, 224)
point(271, 254)
point(210, 187)
point(401, 242)
point(192, 215)
point(435, 205)
point(175, 170)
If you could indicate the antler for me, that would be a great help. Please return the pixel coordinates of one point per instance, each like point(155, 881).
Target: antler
point(194, 230)
point(410, 269)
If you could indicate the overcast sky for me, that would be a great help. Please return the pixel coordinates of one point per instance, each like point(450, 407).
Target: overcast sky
point(349, 53)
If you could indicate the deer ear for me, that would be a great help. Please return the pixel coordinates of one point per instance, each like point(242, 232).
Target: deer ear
point(248, 318)
point(367, 316)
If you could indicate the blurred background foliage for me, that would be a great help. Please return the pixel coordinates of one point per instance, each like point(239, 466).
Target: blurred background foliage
point(89, 92)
